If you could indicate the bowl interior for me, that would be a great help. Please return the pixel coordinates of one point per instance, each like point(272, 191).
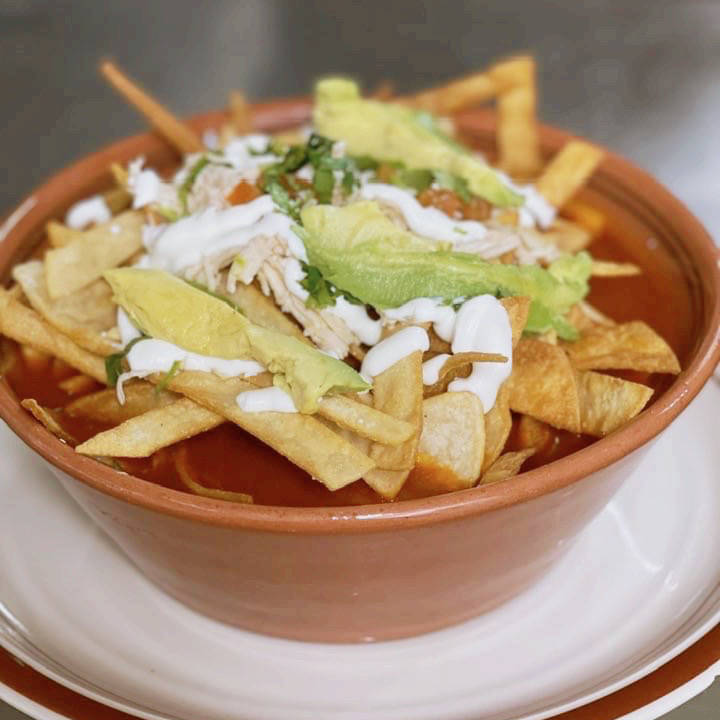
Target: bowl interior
point(678, 295)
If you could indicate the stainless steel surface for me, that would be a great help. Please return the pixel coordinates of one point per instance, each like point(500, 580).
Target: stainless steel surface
point(639, 76)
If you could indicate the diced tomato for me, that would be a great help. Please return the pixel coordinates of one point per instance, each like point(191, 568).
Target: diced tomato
point(243, 192)
point(445, 200)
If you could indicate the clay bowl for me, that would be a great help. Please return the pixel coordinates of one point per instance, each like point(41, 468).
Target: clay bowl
point(394, 570)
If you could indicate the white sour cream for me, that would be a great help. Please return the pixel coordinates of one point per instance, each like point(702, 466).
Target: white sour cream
point(145, 187)
point(240, 153)
point(536, 210)
point(431, 368)
point(270, 399)
point(187, 242)
point(423, 310)
point(92, 210)
point(483, 325)
point(357, 319)
point(292, 275)
point(128, 331)
point(426, 221)
point(154, 355)
point(394, 348)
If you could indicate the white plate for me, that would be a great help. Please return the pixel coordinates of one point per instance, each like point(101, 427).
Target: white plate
point(640, 585)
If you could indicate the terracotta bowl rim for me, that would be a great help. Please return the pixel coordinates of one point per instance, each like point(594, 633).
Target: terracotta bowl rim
point(407, 513)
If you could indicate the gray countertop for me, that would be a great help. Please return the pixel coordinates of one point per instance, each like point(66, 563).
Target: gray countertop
point(641, 77)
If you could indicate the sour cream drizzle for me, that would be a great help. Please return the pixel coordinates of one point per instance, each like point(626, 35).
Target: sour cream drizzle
point(393, 349)
point(92, 210)
point(357, 319)
point(483, 325)
point(270, 399)
point(426, 221)
point(187, 242)
point(423, 310)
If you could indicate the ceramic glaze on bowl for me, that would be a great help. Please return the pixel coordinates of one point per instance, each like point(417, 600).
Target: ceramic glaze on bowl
point(393, 570)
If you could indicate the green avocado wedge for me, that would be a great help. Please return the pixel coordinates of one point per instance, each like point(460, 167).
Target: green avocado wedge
point(360, 251)
point(168, 308)
point(392, 133)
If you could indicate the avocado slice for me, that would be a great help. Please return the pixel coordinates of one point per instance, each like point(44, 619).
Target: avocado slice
point(393, 133)
point(360, 251)
point(168, 308)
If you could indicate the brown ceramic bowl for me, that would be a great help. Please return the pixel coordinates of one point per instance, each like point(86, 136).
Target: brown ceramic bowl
point(393, 570)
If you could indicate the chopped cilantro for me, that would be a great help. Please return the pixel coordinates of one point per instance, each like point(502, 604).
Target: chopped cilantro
point(322, 293)
point(169, 375)
point(114, 362)
point(323, 184)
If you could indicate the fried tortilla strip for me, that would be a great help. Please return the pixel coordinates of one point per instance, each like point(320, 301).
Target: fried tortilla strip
point(459, 365)
point(532, 433)
point(457, 95)
point(568, 172)
point(240, 112)
point(26, 327)
point(170, 127)
point(260, 309)
point(606, 268)
point(506, 466)
point(586, 216)
point(103, 406)
point(568, 236)
point(303, 439)
point(584, 317)
point(517, 130)
point(144, 434)
point(77, 384)
point(365, 421)
point(452, 439)
point(60, 235)
point(49, 419)
point(182, 466)
point(498, 424)
point(82, 315)
point(517, 308)
point(117, 199)
point(398, 391)
point(84, 260)
point(629, 346)
point(607, 403)
point(543, 385)
point(386, 483)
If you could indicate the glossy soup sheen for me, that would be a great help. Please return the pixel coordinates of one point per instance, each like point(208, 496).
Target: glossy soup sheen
point(228, 458)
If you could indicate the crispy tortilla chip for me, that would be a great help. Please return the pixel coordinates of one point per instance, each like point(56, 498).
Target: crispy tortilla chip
point(399, 392)
point(453, 438)
point(103, 406)
point(517, 308)
point(8, 355)
point(49, 419)
point(568, 172)
point(182, 466)
point(59, 235)
point(607, 403)
point(517, 131)
point(568, 236)
point(82, 315)
point(588, 217)
point(365, 421)
point(506, 466)
point(583, 317)
point(606, 268)
point(240, 112)
point(543, 385)
point(386, 483)
point(142, 435)
point(498, 424)
point(25, 326)
point(77, 384)
point(629, 346)
point(117, 199)
point(302, 439)
point(532, 433)
point(83, 260)
point(457, 95)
